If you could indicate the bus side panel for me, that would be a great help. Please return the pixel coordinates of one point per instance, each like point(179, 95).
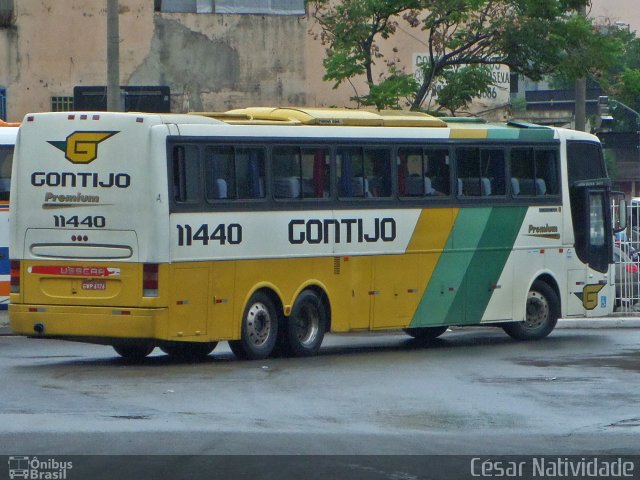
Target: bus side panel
point(223, 318)
point(188, 300)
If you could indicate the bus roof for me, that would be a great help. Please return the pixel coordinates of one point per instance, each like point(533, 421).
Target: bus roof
point(460, 127)
point(325, 116)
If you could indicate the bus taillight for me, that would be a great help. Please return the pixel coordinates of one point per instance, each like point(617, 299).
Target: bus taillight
point(149, 280)
point(15, 276)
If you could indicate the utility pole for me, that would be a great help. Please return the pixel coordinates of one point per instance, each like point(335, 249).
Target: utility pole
point(113, 57)
point(581, 92)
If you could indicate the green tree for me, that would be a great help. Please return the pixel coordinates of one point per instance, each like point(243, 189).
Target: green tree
point(622, 81)
point(532, 37)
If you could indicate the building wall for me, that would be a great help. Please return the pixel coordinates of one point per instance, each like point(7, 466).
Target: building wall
point(210, 61)
point(624, 11)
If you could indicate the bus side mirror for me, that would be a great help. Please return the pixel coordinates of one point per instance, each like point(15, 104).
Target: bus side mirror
point(619, 208)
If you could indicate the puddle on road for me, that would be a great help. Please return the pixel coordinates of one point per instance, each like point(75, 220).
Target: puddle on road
point(538, 379)
point(628, 361)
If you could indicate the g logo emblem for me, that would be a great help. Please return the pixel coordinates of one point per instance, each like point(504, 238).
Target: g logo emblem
point(82, 147)
point(590, 296)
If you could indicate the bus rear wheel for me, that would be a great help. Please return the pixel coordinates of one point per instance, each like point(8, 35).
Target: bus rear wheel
point(259, 329)
point(425, 333)
point(306, 326)
point(541, 316)
point(188, 349)
point(133, 352)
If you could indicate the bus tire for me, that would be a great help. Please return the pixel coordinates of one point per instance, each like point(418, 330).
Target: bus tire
point(425, 333)
point(192, 350)
point(542, 312)
point(133, 352)
point(306, 326)
point(259, 329)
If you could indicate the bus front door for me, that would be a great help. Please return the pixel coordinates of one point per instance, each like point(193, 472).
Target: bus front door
point(591, 284)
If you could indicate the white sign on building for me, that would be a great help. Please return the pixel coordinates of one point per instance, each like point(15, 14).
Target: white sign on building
point(496, 95)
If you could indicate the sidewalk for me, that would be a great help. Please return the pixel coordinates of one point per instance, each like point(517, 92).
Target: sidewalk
point(618, 321)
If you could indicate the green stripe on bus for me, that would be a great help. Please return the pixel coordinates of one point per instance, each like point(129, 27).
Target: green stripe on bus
point(489, 260)
point(439, 299)
point(461, 286)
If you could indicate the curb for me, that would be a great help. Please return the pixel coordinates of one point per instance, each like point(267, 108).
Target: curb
point(564, 323)
point(607, 322)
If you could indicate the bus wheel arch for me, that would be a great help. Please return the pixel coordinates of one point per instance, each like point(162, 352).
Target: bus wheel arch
point(542, 310)
point(261, 318)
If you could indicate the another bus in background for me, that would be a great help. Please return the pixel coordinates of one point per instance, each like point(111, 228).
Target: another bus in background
point(8, 134)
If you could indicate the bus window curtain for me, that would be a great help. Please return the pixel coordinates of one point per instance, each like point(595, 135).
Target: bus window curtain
point(346, 187)
point(212, 177)
point(402, 174)
point(254, 175)
point(318, 174)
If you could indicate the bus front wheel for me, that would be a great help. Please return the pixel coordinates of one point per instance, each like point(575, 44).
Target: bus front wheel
point(542, 312)
point(259, 329)
point(133, 352)
point(306, 326)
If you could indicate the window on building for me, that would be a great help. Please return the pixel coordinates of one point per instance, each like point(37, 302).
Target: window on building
point(61, 104)
point(258, 7)
point(3, 103)
point(6, 13)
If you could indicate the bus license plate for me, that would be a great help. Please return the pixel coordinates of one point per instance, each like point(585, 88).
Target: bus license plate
point(94, 284)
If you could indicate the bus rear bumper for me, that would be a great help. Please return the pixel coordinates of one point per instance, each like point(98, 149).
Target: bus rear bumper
point(88, 322)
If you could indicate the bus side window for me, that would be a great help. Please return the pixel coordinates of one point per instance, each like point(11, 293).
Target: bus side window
point(492, 172)
point(546, 166)
point(6, 162)
point(219, 173)
point(377, 172)
point(468, 171)
point(186, 174)
point(351, 181)
point(315, 173)
point(534, 172)
point(250, 172)
point(286, 172)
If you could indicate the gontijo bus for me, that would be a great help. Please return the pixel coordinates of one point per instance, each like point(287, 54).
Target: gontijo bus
point(268, 227)
point(8, 134)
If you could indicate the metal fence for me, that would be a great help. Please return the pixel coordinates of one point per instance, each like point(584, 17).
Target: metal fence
point(626, 255)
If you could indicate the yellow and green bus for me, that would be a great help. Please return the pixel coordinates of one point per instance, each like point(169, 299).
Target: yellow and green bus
point(268, 227)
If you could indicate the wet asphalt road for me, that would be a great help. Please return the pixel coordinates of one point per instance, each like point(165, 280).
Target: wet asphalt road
point(473, 392)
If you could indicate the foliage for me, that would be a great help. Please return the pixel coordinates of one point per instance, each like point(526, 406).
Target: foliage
point(621, 81)
point(532, 37)
point(462, 85)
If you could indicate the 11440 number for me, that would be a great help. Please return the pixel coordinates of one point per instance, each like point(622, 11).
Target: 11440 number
point(205, 234)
